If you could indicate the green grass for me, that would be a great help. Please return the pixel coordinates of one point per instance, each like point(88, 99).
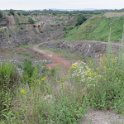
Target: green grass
point(9, 80)
point(108, 94)
point(97, 28)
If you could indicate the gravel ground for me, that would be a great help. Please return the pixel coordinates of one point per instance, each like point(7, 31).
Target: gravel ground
point(102, 117)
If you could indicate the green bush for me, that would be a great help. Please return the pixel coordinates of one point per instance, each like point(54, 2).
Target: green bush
point(28, 70)
point(25, 13)
point(8, 76)
point(1, 14)
point(19, 13)
point(108, 93)
point(69, 108)
point(80, 19)
point(8, 81)
point(32, 73)
point(31, 20)
point(12, 12)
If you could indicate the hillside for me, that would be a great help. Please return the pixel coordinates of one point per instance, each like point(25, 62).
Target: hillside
point(98, 28)
point(17, 29)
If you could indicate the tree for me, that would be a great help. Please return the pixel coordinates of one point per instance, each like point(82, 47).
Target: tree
point(80, 19)
point(31, 21)
point(19, 13)
point(12, 12)
point(25, 13)
point(1, 14)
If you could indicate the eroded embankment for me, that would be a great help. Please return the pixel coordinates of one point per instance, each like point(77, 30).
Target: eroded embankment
point(87, 48)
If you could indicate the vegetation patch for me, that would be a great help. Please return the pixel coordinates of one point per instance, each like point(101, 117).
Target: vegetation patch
point(98, 28)
point(9, 80)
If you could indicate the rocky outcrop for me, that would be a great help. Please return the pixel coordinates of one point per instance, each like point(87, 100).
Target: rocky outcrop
point(87, 48)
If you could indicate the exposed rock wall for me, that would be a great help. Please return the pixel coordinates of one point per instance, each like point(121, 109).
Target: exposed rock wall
point(87, 48)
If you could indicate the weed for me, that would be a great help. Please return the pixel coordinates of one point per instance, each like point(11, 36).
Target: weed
point(9, 80)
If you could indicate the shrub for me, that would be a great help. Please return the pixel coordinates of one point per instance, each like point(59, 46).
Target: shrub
point(108, 93)
point(80, 19)
point(12, 12)
point(84, 75)
point(25, 13)
point(19, 14)
point(32, 73)
point(1, 14)
point(31, 20)
point(8, 76)
point(8, 81)
point(69, 107)
point(28, 70)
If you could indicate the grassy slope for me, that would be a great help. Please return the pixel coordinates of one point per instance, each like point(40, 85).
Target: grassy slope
point(98, 28)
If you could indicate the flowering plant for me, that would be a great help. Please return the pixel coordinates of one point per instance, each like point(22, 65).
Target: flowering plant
point(80, 72)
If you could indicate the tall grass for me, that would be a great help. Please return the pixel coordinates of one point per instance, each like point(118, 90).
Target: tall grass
point(109, 91)
point(46, 99)
point(9, 80)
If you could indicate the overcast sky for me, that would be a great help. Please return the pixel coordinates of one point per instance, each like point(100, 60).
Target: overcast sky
point(61, 4)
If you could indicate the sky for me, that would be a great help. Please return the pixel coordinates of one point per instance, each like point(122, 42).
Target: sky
point(61, 4)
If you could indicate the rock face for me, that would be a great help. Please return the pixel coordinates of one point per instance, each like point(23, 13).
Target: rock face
point(87, 48)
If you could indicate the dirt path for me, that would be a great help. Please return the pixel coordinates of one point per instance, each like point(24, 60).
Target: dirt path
point(56, 59)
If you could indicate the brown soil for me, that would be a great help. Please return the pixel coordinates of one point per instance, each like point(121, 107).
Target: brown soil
point(56, 59)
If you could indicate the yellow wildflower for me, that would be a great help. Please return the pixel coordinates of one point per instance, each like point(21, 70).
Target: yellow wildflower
point(75, 65)
point(23, 91)
point(43, 78)
point(90, 73)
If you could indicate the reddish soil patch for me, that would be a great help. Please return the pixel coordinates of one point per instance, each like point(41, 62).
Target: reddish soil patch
point(56, 59)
